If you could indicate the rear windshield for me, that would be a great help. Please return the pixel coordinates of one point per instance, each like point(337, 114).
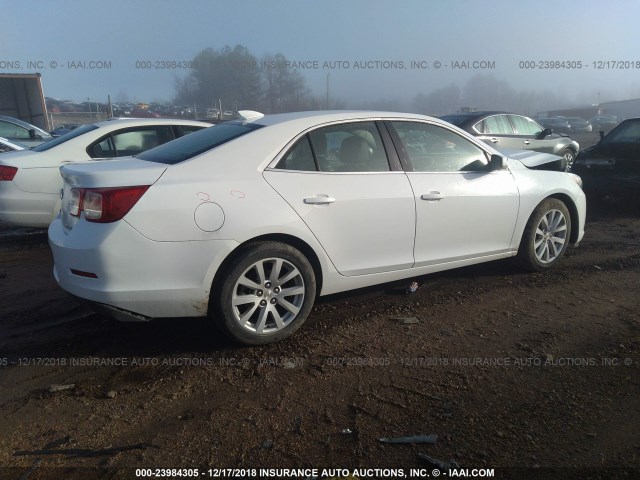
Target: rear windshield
point(76, 132)
point(196, 143)
point(455, 119)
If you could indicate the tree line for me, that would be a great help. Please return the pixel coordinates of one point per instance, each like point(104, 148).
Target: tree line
point(237, 79)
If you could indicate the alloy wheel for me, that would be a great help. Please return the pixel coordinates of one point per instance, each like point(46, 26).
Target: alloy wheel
point(268, 296)
point(550, 236)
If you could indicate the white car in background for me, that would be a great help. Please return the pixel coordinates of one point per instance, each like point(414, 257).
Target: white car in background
point(30, 181)
point(249, 221)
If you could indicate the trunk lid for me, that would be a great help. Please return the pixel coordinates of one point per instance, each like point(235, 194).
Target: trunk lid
point(126, 172)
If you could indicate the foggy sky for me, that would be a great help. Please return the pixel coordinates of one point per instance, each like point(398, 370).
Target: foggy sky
point(381, 37)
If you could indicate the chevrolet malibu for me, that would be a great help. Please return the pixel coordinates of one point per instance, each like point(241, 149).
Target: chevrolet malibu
point(247, 222)
point(30, 180)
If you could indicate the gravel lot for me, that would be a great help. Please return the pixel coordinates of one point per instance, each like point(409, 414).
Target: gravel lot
point(535, 375)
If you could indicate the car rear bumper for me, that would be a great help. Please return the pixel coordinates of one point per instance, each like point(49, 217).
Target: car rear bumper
point(114, 265)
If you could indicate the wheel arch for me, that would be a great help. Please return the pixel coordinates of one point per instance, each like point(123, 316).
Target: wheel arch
point(290, 240)
point(573, 211)
point(561, 148)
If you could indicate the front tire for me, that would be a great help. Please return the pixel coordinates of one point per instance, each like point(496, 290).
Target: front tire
point(546, 236)
point(266, 294)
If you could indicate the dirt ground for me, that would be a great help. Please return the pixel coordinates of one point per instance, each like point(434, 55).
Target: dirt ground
point(533, 375)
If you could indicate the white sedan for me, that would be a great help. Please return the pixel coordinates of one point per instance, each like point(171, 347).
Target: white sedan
point(248, 221)
point(30, 181)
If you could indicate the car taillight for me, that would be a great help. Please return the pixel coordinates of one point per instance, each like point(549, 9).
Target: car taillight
point(75, 201)
point(7, 173)
point(104, 205)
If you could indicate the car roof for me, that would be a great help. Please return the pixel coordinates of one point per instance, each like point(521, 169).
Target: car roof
point(136, 122)
point(467, 119)
point(481, 113)
point(309, 119)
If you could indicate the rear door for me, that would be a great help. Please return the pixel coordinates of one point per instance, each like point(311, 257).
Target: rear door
point(359, 206)
point(497, 131)
point(530, 133)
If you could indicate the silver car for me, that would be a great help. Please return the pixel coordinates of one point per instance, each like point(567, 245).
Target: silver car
point(15, 130)
point(508, 131)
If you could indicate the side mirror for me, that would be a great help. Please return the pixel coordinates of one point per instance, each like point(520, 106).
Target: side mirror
point(32, 133)
point(497, 162)
point(547, 131)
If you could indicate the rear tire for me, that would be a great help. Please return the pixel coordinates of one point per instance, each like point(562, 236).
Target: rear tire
point(546, 236)
point(568, 156)
point(265, 294)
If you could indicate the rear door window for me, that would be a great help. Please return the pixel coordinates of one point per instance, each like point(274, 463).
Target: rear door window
point(346, 147)
point(139, 140)
point(130, 141)
point(497, 125)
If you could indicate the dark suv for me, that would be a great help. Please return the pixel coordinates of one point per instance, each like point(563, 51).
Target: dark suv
point(509, 131)
point(611, 169)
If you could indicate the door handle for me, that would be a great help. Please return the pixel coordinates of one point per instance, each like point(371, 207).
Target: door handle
point(320, 199)
point(527, 142)
point(494, 140)
point(431, 196)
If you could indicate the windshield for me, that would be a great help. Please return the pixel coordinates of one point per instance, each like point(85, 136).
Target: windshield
point(67, 136)
point(626, 132)
point(196, 143)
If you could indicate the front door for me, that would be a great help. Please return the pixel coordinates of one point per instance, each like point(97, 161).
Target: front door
point(463, 210)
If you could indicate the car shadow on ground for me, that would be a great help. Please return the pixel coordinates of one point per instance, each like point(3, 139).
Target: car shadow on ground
point(63, 327)
point(94, 334)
